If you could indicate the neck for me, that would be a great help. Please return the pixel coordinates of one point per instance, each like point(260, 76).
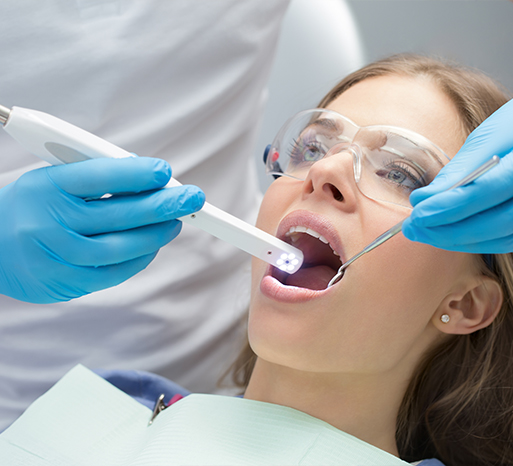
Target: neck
point(360, 405)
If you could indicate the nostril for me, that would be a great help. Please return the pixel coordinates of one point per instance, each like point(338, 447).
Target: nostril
point(336, 193)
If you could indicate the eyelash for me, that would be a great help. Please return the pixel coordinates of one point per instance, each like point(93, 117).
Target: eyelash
point(418, 181)
point(293, 149)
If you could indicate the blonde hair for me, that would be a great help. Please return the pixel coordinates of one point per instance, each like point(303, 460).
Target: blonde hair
point(459, 404)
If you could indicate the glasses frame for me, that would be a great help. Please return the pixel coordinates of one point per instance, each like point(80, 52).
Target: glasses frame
point(273, 167)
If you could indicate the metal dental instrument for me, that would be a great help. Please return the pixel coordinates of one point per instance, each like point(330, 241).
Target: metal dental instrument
point(397, 228)
point(59, 142)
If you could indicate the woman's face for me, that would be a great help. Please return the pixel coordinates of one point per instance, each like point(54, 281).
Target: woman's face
point(381, 314)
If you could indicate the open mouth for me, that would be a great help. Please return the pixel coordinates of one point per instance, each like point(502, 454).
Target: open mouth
point(321, 261)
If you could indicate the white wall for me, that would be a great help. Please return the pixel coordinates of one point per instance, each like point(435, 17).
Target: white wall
point(477, 33)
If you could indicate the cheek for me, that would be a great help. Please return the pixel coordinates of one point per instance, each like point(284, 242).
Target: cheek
point(278, 197)
point(386, 305)
point(384, 313)
point(399, 269)
point(408, 281)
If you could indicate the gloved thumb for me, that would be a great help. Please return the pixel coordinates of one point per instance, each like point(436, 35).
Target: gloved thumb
point(492, 137)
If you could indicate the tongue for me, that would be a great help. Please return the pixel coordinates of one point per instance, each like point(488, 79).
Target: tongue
point(313, 278)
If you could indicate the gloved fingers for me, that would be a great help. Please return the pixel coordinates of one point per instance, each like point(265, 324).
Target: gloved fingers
point(443, 181)
point(491, 189)
point(472, 234)
point(82, 280)
point(502, 245)
point(114, 248)
point(93, 279)
point(96, 177)
point(120, 213)
point(492, 137)
point(455, 171)
point(495, 246)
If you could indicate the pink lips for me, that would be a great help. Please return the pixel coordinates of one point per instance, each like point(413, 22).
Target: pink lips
point(271, 287)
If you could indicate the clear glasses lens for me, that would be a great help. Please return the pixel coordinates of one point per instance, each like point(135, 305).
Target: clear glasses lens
point(393, 166)
point(305, 139)
point(389, 163)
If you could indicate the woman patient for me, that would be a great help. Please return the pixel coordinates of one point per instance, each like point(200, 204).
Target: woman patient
point(411, 350)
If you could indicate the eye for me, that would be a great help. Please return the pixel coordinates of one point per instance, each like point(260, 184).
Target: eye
point(312, 153)
point(401, 174)
point(396, 176)
point(307, 150)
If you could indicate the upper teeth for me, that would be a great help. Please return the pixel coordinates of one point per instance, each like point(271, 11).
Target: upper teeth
point(301, 229)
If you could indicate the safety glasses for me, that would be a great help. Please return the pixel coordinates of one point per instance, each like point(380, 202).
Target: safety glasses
point(388, 162)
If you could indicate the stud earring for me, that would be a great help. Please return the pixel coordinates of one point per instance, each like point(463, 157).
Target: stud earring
point(445, 318)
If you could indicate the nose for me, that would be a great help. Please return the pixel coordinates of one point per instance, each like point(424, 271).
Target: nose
point(332, 178)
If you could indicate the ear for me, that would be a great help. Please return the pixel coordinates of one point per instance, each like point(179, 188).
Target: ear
point(470, 310)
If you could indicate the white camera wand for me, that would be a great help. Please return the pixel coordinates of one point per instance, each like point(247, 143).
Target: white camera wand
point(59, 142)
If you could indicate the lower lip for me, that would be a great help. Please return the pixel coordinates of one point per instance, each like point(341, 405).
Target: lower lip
point(273, 289)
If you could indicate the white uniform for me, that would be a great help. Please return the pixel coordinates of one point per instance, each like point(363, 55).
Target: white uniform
point(182, 80)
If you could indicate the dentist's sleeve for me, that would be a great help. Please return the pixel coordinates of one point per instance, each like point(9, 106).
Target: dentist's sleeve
point(57, 244)
point(476, 218)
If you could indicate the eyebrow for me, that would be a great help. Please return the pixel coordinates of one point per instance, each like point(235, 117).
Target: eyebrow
point(403, 156)
point(417, 146)
point(325, 123)
point(425, 150)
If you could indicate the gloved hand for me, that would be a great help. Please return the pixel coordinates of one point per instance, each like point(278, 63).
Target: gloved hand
point(478, 217)
point(57, 245)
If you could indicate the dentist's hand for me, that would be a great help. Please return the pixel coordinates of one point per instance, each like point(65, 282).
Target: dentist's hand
point(56, 245)
point(476, 218)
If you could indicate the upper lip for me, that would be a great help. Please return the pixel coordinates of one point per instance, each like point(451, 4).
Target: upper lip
point(316, 222)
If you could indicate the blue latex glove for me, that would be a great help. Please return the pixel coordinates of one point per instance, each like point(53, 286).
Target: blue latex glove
point(476, 218)
point(56, 245)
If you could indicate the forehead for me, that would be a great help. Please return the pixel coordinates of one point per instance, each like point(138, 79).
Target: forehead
point(412, 103)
